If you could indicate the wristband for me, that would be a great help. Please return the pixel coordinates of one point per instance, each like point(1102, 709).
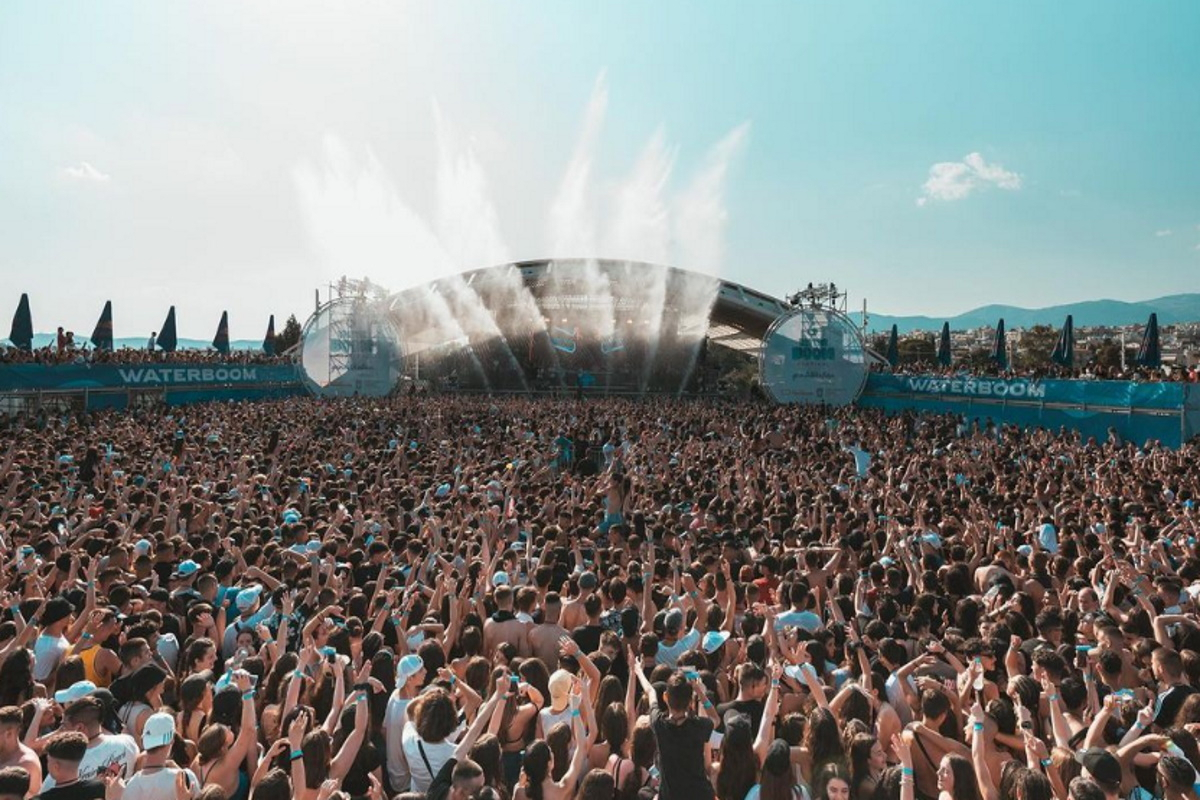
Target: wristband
point(774, 683)
point(906, 771)
point(1052, 698)
point(692, 595)
point(1087, 678)
point(248, 695)
point(85, 635)
point(362, 687)
point(1137, 725)
point(1046, 762)
point(708, 704)
point(575, 712)
point(298, 674)
point(297, 754)
point(978, 726)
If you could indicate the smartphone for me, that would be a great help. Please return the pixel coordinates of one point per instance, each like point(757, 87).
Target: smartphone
point(691, 674)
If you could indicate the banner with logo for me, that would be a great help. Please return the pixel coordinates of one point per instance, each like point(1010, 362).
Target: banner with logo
point(1136, 411)
point(77, 377)
point(1119, 394)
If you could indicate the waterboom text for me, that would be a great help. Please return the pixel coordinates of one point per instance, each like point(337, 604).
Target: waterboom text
point(976, 387)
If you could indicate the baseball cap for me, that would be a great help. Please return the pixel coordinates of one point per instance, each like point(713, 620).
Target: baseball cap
point(142, 547)
point(186, 569)
point(1101, 765)
point(248, 597)
point(409, 665)
point(159, 731)
point(76, 691)
point(714, 639)
point(500, 579)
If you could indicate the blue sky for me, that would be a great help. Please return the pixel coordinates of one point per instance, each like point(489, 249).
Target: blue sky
point(929, 156)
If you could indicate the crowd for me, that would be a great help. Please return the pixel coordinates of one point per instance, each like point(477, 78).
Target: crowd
point(526, 599)
point(69, 353)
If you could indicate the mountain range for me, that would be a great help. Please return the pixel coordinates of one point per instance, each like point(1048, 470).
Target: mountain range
point(1172, 309)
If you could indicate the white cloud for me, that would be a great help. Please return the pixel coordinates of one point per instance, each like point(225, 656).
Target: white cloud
point(1163, 232)
point(85, 172)
point(955, 180)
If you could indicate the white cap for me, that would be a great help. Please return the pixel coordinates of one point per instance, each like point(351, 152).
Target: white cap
point(76, 691)
point(159, 731)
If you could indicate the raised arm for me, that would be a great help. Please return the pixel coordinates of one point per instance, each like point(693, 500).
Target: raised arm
point(987, 788)
point(766, 726)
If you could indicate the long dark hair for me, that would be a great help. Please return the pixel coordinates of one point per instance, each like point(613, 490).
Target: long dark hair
point(860, 758)
point(776, 782)
point(965, 785)
point(16, 678)
point(536, 767)
point(614, 726)
point(738, 771)
point(487, 754)
point(822, 739)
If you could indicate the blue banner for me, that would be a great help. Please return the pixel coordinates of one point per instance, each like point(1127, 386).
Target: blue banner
point(1120, 394)
point(1136, 411)
point(75, 377)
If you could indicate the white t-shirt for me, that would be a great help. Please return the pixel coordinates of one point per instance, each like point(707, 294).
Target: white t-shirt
point(108, 749)
point(394, 721)
point(48, 652)
point(158, 783)
point(437, 755)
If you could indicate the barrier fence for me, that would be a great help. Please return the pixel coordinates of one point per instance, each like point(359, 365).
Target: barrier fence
point(1168, 412)
point(100, 386)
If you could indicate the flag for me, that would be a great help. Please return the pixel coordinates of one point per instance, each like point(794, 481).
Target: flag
point(1000, 347)
point(102, 336)
point(268, 346)
point(893, 347)
point(221, 340)
point(1064, 350)
point(22, 325)
point(944, 356)
point(166, 335)
point(1150, 354)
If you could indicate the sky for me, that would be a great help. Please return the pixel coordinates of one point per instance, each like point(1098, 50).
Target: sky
point(930, 157)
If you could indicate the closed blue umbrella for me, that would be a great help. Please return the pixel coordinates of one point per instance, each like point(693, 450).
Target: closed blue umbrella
point(268, 345)
point(944, 356)
point(102, 336)
point(1064, 350)
point(22, 325)
point(167, 340)
point(1000, 346)
point(893, 347)
point(1150, 353)
point(221, 340)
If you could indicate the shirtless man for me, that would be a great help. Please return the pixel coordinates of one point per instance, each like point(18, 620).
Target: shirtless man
point(13, 753)
point(503, 626)
point(543, 639)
